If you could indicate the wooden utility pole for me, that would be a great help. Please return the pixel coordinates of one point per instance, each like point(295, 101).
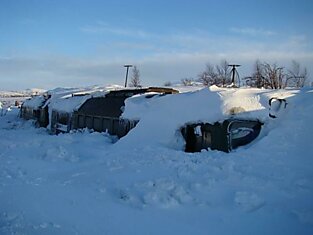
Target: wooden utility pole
point(127, 66)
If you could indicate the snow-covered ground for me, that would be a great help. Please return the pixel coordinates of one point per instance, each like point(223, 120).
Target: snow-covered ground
point(82, 183)
point(9, 98)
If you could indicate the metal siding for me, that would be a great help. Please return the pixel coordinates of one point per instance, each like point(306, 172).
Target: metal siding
point(89, 122)
point(81, 121)
point(97, 124)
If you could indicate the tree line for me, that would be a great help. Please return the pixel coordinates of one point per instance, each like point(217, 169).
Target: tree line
point(272, 76)
point(264, 75)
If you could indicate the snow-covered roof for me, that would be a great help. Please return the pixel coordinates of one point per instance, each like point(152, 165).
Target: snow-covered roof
point(206, 104)
point(35, 102)
point(69, 99)
point(69, 103)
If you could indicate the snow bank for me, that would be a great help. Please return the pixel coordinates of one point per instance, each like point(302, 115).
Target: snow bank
point(81, 183)
point(162, 116)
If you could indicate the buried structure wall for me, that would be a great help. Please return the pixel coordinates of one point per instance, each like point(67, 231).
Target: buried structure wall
point(60, 122)
point(223, 136)
point(102, 114)
point(35, 109)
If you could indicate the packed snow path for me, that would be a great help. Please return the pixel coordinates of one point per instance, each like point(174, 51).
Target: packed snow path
point(81, 183)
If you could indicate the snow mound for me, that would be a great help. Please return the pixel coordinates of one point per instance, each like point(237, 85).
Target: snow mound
point(162, 116)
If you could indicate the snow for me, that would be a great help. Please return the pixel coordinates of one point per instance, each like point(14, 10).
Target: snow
point(35, 102)
point(164, 115)
point(69, 99)
point(10, 98)
point(23, 93)
point(85, 183)
point(63, 95)
point(69, 103)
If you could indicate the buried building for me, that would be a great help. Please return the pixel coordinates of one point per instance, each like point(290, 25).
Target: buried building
point(218, 119)
point(61, 111)
point(192, 121)
point(103, 113)
point(41, 107)
point(34, 109)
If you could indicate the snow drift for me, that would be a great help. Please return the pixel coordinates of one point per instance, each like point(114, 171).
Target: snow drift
point(162, 116)
point(82, 183)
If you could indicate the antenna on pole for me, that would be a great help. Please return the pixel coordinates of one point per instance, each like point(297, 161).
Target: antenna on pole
point(234, 73)
point(127, 66)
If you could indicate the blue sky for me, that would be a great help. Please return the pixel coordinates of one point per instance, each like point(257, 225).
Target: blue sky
point(55, 43)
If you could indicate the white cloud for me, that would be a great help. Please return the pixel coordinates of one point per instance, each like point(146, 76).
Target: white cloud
point(167, 57)
point(50, 72)
point(254, 32)
point(104, 28)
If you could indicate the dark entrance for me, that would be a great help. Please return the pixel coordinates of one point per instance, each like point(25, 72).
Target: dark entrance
point(223, 136)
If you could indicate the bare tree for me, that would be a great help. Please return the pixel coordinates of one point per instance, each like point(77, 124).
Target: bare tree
point(296, 77)
point(209, 76)
point(135, 79)
point(223, 73)
point(274, 76)
point(257, 78)
point(216, 75)
point(187, 81)
point(267, 75)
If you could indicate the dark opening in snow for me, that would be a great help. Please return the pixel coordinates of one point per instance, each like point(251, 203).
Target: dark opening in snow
point(223, 136)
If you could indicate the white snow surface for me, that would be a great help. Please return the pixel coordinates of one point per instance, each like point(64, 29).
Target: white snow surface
point(64, 99)
point(164, 115)
point(68, 103)
point(69, 99)
point(35, 102)
point(9, 98)
point(84, 183)
point(23, 93)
